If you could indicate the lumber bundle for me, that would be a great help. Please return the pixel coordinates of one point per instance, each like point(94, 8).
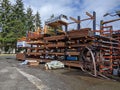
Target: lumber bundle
point(53, 45)
point(54, 38)
point(34, 35)
point(20, 56)
point(80, 33)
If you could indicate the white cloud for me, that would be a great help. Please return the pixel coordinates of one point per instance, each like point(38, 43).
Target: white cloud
point(72, 8)
point(49, 7)
point(100, 7)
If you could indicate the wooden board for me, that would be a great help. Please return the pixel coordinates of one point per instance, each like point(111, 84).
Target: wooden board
point(54, 38)
point(33, 63)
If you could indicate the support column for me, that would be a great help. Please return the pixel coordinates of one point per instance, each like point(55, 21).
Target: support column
point(78, 25)
point(94, 22)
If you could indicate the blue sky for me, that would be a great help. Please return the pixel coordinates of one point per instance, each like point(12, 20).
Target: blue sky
point(74, 8)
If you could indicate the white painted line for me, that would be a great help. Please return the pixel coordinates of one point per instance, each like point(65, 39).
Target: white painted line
point(36, 81)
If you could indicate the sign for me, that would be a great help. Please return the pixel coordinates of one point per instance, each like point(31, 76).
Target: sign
point(23, 44)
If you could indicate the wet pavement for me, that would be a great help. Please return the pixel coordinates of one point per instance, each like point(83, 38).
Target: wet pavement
point(14, 76)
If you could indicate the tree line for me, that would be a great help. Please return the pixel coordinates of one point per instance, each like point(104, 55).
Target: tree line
point(15, 21)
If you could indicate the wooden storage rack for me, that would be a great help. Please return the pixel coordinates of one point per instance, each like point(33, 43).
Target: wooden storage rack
point(95, 54)
point(35, 39)
point(55, 47)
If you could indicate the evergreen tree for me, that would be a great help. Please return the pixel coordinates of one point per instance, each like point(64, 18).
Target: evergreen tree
point(5, 16)
point(19, 10)
point(18, 18)
point(29, 20)
point(5, 19)
point(15, 22)
point(37, 20)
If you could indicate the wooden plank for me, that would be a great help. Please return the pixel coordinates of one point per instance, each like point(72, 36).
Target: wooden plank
point(75, 20)
point(57, 23)
point(72, 64)
point(73, 53)
point(54, 38)
point(34, 53)
point(33, 36)
point(91, 16)
point(80, 33)
point(36, 42)
point(33, 63)
point(57, 53)
point(58, 45)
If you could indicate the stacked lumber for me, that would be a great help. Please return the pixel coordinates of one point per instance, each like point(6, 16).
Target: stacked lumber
point(34, 35)
point(55, 38)
point(20, 56)
point(86, 32)
point(55, 45)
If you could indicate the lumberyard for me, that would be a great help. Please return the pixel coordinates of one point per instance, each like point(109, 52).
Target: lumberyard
point(96, 54)
point(56, 57)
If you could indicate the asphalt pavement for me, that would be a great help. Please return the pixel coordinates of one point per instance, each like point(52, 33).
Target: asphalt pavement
point(14, 76)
